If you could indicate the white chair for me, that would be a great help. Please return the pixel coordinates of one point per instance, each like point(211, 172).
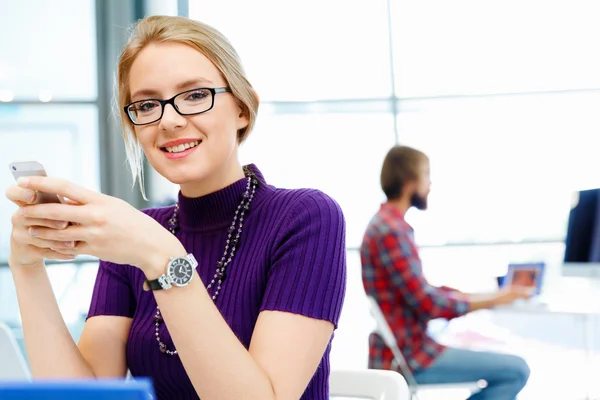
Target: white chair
point(384, 330)
point(368, 384)
point(12, 363)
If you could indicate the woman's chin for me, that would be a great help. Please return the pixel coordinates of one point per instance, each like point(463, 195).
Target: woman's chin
point(184, 177)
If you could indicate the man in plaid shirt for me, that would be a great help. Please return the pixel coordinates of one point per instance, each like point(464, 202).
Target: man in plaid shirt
point(393, 276)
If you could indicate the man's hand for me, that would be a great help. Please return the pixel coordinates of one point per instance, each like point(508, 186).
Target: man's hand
point(513, 293)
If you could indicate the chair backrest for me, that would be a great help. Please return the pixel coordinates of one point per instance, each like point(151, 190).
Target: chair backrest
point(384, 330)
point(371, 384)
point(12, 363)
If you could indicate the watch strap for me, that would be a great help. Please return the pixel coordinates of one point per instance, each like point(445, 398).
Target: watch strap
point(160, 283)
point(153, 284)
point(192, 259)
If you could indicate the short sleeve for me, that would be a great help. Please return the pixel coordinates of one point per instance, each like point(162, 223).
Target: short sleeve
point(307, 274)
point(112, 293)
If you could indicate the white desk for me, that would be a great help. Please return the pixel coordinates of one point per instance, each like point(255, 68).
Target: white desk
point(555, 305)
point(584, 310)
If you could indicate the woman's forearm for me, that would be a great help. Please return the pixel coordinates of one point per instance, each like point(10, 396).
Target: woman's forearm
point(51, 350)
point(216, 362)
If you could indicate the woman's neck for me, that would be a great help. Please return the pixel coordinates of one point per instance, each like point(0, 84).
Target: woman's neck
point(214, 182)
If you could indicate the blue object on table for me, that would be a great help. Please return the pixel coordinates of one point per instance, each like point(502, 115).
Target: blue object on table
point(97, 389)
point(500, 280)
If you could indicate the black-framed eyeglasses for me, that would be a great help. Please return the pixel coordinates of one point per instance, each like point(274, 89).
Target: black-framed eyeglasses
point(190, 102)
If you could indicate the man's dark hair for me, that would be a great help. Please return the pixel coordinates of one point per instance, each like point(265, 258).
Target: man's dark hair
point(401, 165)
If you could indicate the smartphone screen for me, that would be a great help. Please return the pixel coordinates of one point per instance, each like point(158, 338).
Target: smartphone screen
point(33, 168)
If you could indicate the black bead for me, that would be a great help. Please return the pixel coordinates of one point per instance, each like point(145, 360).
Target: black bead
point(219, 265)
point(162, 348)
point(158, 318)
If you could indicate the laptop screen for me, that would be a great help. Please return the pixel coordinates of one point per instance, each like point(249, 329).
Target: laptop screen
point(102, 389)
point(526, 275)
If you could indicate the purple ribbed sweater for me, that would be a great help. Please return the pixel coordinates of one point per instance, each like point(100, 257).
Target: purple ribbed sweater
point(291, 257)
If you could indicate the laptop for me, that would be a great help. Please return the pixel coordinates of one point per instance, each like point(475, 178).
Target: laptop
point(16, 384)
point(13, 366)
point(527, 275)
point(92, 389)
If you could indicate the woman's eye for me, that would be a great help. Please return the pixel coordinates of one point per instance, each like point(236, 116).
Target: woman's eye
point(146, 107)
point(197, 95)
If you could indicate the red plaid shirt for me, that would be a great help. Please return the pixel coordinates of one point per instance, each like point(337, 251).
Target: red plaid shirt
point(392, 274)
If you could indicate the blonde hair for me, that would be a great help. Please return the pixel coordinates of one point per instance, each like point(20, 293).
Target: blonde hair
point(204, 38)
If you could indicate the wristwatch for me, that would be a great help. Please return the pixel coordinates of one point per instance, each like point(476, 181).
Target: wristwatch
point(180, 272)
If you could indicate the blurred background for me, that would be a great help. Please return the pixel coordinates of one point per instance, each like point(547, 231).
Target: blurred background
point(504, 97)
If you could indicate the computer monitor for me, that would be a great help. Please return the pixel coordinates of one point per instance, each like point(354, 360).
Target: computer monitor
point(582, 242)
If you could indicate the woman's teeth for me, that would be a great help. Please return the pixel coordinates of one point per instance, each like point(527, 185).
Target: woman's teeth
point(182, 147)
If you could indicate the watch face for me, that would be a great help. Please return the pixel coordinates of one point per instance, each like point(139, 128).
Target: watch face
point(181, 271)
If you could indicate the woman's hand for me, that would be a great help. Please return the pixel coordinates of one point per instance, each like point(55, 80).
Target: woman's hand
point(103, 226)
point(26, 250)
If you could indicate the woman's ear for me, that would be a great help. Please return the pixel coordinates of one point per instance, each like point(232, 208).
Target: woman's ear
point(243, 118)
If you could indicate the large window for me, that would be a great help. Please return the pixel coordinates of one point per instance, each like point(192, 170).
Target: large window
point(48, 50)
point(48, 113)
point(469, 47)
point(503, 168)
point(503, 98)
point(48, 93)
point(310, 50)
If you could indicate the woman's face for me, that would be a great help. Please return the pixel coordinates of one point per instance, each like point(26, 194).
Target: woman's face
point(198, 152)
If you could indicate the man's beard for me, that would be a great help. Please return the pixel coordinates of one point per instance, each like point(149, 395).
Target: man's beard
point(419, 202)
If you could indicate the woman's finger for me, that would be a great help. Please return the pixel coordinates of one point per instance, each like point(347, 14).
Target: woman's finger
point(68, 247)
point(22, 236)
point(21, 196)
point(73, 233)
point(47, 223)
point(18, 219)
point(79, 248)
point(51, 254)
point(59, 186)
point(71, 202)
point(58, 212)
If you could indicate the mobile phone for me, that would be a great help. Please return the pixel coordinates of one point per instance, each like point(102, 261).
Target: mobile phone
point(34, 168)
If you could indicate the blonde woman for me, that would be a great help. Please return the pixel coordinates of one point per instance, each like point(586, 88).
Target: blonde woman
point(233, 293)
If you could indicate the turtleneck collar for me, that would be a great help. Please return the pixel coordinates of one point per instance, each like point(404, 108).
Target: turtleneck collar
point(217, 209)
